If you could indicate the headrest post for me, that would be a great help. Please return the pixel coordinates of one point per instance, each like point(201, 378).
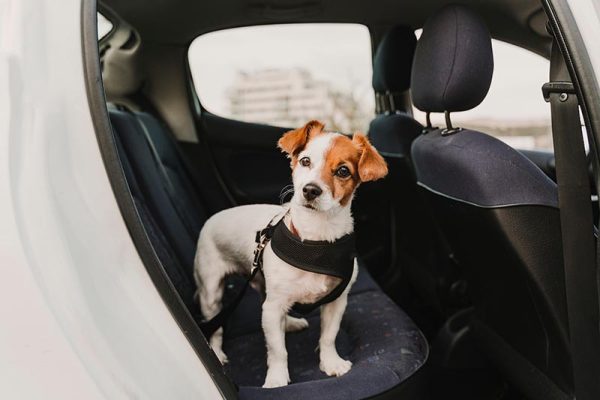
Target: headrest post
point(449, 128)
point(378, 108)
point(428, 120)
point(429, 127)
point(448, 121)
point(392, 102)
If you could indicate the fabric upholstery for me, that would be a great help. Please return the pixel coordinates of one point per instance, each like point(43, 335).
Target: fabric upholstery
point(379, 338)
point(453, 62)
point(393, 134)
point(393, 60)
point(246, 317)
point(476, 168)
point(162, 196)
point(382, 342)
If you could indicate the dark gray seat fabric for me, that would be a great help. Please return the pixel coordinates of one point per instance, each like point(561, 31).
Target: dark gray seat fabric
point(497, 209)
point(382, 341)
point(383, 344)
point(485, 171)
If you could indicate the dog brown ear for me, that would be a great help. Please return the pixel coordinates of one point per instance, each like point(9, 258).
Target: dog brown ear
point(293, 142)
point(371, 166)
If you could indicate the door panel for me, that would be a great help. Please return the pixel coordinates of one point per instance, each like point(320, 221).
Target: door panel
point(247, 159)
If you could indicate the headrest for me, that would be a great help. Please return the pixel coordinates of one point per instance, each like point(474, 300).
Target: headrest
point(393, 60)
point(453, 62)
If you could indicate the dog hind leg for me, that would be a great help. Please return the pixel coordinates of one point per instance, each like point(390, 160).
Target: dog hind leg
point(210, 271)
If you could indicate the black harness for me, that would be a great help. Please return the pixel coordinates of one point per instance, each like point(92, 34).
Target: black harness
point(329, 258)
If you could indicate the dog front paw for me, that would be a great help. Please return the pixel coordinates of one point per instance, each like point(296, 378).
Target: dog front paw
point(334, 365)
point(293, 324)
point(277, 377)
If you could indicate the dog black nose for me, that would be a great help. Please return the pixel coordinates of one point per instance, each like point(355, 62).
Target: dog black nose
point(311, 191)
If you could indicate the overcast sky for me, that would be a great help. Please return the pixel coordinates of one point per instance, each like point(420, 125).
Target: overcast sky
point(341, 54)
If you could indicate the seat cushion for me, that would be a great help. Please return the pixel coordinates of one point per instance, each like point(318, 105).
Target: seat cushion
point(382, 342)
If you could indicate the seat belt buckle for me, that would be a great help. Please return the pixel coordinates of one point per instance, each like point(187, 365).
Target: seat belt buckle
point(562, 87)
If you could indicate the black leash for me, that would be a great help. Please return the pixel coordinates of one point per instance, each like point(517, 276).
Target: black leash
point(262, 239)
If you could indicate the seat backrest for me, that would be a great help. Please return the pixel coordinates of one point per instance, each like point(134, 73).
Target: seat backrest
point(171, 208)
point(498, 210)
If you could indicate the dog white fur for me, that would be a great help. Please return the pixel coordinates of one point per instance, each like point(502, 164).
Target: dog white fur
point(333, 165)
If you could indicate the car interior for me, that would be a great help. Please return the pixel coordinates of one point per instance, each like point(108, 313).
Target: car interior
point(460, 292)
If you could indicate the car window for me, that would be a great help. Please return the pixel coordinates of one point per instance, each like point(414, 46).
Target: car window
point(514, 109)
point(284, 75)
point(104, 26)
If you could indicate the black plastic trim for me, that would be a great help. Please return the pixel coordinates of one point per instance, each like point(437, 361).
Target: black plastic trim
point(581, 70)
point(116, 175)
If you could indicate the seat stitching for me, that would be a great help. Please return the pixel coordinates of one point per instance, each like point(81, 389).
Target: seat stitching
point(453, 58)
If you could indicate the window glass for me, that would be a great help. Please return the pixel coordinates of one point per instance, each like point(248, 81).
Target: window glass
point(285, 75)
point(514, 109)
point(104, 26)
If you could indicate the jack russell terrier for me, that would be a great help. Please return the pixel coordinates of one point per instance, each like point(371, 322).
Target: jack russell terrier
point(327, 167)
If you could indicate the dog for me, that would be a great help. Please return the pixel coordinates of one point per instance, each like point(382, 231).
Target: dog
point(327, 167)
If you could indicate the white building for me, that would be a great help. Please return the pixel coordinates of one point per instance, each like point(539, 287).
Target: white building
point(291, 97)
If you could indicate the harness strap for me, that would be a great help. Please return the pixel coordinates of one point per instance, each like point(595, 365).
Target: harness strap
point(321, 257)
point(329, 258)
point(306, 308)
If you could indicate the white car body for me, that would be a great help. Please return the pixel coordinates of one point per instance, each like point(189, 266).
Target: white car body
point(80, 317)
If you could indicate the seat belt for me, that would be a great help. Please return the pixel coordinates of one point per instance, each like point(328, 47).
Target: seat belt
point(180, 209)
point(577, 229)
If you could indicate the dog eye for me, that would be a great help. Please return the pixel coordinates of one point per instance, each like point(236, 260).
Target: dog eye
point(305, 162)
point(342, 172)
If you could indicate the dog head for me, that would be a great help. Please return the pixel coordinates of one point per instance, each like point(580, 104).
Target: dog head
point(327, 167)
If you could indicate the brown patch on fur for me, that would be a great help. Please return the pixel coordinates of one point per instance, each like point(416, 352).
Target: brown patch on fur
point(360, 157)
point(342, 153)
point(293, 142)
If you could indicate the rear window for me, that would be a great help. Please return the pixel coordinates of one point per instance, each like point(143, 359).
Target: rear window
point(104, 26)
point(284, 75)
point(514, 110)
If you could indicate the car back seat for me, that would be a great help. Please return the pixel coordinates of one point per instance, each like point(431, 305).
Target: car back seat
point(380, 339)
